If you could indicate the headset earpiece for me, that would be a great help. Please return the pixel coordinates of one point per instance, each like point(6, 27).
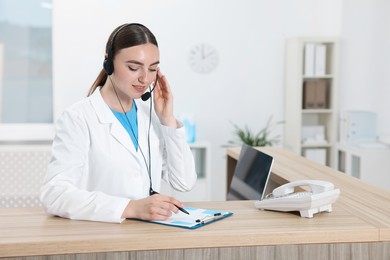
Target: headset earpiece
point(108, 66)
point(108, 63)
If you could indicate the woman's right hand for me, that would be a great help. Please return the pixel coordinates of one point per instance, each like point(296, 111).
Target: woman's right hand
point(155, 207)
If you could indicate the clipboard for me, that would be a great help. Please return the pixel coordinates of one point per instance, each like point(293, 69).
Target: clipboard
point(197, 218)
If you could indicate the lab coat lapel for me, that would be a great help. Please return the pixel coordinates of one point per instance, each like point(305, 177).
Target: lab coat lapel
point(121, 135)
point(106, 116)
point(143, 124)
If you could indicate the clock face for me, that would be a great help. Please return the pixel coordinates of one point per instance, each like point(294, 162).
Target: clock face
point(203, 58)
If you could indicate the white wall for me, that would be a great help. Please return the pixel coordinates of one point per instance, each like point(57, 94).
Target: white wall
point(246, 88)
point(365, 59)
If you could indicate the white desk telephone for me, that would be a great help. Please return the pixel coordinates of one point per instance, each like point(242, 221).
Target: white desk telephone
point(284, 198)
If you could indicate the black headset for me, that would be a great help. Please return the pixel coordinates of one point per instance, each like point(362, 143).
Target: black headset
point(108, 63)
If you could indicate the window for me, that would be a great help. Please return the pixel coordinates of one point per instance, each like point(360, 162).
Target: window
point(26, 92)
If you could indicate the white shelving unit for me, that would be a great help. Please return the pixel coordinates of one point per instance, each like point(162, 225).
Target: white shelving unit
point(201, 191)
point(312, 64)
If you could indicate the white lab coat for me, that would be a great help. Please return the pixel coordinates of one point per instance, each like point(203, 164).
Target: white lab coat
point(95, 170)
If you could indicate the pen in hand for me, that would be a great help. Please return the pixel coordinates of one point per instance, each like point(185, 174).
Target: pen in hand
point(152, 192)
point(182, 210)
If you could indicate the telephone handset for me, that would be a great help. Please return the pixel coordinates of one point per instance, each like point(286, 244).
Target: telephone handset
point(318, 198)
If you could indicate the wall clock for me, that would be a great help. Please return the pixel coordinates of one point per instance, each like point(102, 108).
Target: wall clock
point(203, 58)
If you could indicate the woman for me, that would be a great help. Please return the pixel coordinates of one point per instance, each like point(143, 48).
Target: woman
point(111, 149)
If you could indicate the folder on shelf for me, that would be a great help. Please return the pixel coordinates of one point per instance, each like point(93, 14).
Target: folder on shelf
point(309, 95)
point(197, 218)
point(315, 94)
point(320, 60)
point(314, 59)
point(309, 59)
point(321, 94)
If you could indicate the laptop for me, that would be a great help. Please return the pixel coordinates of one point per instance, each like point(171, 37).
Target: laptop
point(251, 175)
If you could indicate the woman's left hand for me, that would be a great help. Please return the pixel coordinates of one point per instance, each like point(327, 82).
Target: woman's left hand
point(163, 101)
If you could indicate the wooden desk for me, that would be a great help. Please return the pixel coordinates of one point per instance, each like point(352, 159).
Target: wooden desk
point(349, 232)
point(361, 199)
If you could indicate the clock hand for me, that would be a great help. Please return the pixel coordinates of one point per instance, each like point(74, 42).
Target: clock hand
point(208, 54)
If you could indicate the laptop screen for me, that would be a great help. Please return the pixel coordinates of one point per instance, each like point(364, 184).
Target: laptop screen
point(251, 175)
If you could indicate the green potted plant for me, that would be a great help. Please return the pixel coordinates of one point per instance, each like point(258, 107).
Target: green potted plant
point(262, 138)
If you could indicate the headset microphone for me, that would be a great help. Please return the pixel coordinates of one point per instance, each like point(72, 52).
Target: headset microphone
point(148, 94)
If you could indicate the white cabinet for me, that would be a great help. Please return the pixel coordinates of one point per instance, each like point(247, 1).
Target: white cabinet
point(311, 97)
point(369, 162)
point(201, 191)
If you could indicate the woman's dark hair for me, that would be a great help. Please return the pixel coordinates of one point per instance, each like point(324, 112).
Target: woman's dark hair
point(124, 36)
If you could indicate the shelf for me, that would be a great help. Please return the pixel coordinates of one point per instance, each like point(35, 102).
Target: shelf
point(317, 111)
point(328, 76)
